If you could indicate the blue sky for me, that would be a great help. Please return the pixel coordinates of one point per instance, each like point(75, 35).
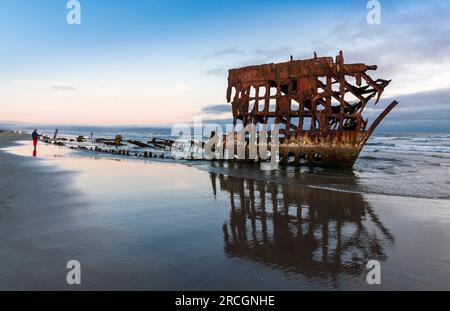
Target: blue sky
point(159, 62)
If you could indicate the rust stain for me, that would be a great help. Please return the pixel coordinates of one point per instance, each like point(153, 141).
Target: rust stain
point(318, 104)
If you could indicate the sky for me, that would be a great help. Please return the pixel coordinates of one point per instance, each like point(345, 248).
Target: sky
point(150, 62)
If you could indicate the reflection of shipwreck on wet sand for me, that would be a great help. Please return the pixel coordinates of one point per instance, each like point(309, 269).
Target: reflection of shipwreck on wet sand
point(320, 125)
point(298, 230)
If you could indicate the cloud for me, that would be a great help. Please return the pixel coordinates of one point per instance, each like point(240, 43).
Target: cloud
point(411, 43)
point(252, 57)
point(225, 52)
point(63, 88)
point(223, 122)
point(218, 72)
point(7, 122)
point(411, 46)
point(429, 110)
point(260, 55)
point(270, 54)
point(266, 55)
point(255, 57)
point(222, 108)
point(53, 85)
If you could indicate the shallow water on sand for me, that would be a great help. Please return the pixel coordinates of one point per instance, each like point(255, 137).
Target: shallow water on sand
point(204, 226)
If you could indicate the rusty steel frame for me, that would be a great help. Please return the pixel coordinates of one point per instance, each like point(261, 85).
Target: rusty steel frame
point(319, 126)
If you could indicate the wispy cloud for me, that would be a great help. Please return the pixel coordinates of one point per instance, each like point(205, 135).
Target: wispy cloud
point(427, 110)
point(218, 72)
point(53, 85)
point(412, 46)
point(225, 52)
point(268, 55)
point(221, 108)
point(63, 88)
point(253, 57)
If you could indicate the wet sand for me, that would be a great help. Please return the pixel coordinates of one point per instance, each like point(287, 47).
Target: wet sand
point(149, 225)
point(33, 220)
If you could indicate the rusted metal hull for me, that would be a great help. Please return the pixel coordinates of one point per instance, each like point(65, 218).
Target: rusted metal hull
point(317, 103)
point(332, 154)
point(338, 149)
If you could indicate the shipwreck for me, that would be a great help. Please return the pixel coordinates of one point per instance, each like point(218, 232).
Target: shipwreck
point(317, 103)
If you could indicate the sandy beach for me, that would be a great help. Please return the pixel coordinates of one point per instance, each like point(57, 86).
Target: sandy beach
point(152, 225)
point(34, 202)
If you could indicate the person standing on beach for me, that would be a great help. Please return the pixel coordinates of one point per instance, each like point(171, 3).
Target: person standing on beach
point(35, 137)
